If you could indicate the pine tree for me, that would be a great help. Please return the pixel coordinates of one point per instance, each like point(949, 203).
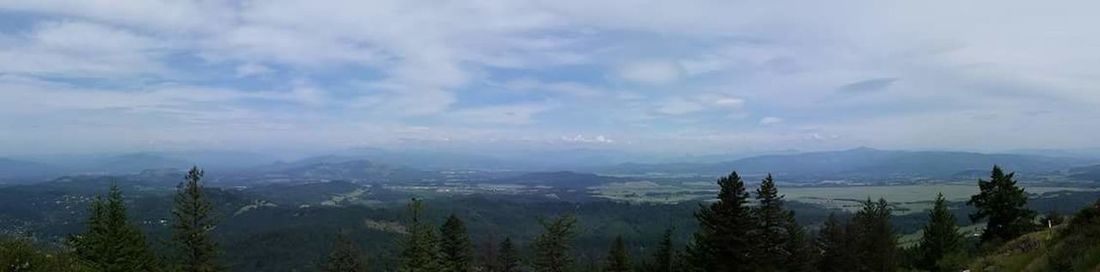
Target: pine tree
point(553, 248)
point(1001, 203)
point(193, 223)
point(835, 246)
point(345, 256)
point(455, 252)
point(488, 257)
point(875, 245)
point(618, 259)
point(663, 258)
point(799, 247)
point(419, 245)
point(110, 242)
point(941, 239)
point(722, 242)
point(508, 258)
point(770, 233)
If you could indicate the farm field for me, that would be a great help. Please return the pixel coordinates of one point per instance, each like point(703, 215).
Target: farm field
point(905, 198)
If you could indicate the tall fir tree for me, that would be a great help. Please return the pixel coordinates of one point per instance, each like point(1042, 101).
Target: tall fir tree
point(722, 243)
point(488, 257)
point(836, 250)
point(770, 234)
point(508, 259)
point(798, 246)
point(553, 248)
point(110, 243)
point(663, 259)
point(455, 248)
point(345, 256)
point(941, 239)
point(419, 247)
point(194, 220)
point(618, 258)
point(1002, 204)
point(876, 244)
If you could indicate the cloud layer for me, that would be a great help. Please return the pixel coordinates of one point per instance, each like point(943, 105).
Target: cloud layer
point(679, 77)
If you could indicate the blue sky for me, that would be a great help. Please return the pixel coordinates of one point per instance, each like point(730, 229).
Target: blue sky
point(648, 76)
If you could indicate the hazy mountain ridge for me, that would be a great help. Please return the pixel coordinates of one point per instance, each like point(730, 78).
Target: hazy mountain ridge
point(11, 168)
point(861, 162)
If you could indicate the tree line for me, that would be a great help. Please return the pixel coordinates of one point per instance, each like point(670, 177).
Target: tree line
point(739, 231)
point(749, 231)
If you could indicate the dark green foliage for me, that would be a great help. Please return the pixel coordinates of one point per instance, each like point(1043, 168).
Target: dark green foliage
point(836, 249)
point(345, 256)
point(18, 255)
point(488, 256)
point(771, 227)
point(194, 220)
point(419, 247)
point(798, 246)
point(109, 242)
point(1080, 242)
point(455, 248)
point(508, 259)
point(1001, 203)
point(941, 240)
point(873, 238)
point(663, 259)
point(722, 242)
point(618, 259)
point(553, 248)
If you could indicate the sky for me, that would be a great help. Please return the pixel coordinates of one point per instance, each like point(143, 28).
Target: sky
point(634, 75)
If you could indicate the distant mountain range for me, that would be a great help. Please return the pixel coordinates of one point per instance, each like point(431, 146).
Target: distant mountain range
point(18, 169)
point(862, 162)
point(368, 165)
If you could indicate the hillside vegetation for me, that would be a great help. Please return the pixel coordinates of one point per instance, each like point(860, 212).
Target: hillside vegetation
point(1074, 246)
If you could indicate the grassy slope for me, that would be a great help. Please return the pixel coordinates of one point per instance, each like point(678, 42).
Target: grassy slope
point(1029, 253)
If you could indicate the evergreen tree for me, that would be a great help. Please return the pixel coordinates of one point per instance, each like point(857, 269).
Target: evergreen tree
point(770, 233)
point(1001, 203)
point(345, 256)
point(110, 243)
point(192, 226)
point(835, 246)
point(941, 239)
point(508, 258)
point(618, 259)
point(553, 247)
point(488, 257)
point(875, 245)
point(663, 258)
point(799, 247)
point(419, 247)
point(455, 252)
point(722, 242)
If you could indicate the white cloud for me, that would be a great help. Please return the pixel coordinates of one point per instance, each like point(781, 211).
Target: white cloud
point(565, 87)
point(579, 138)
point(651, 72)
point(172, 57)
point(518, 114)
point(82, 49)
point(770, 120)
point(252, 69)
point(678, 106)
